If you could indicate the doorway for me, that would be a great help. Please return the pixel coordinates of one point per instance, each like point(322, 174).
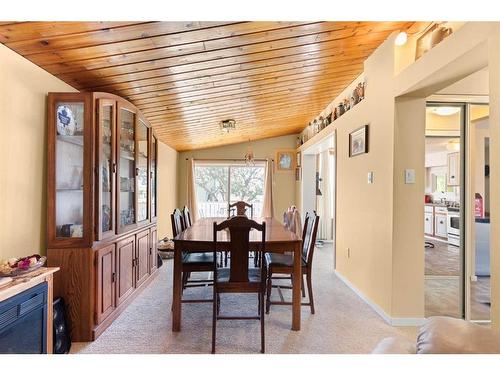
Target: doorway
point(443, 217)
point(318, 188)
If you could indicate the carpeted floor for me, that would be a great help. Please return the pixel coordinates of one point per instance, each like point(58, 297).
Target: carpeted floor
point(343, 323)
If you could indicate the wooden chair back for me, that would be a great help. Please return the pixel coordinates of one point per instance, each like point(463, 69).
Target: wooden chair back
point(187, 217)
point(309, 236)
point(177, 222)
point(239, 245)
point(241, 208)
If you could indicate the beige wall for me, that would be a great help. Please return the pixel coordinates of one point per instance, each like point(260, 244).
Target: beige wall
point(284, 182)
point(23, 90)
point(167, 188)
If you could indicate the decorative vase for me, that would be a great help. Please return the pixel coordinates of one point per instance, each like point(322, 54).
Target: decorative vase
point(340, 109)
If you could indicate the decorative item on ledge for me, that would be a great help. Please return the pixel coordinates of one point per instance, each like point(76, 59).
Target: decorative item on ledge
point(315, 126)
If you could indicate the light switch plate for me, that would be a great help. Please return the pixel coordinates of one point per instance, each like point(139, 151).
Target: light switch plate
point(370, 177)
point(409, 176)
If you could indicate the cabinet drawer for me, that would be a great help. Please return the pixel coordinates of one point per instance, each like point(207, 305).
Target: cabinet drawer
point(429, 209)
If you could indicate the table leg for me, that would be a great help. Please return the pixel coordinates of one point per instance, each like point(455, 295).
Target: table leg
point(297, 285)
point(177, 290)
point(50, 313)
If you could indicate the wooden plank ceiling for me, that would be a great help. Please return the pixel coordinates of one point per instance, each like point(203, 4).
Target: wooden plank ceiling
point(271, 77)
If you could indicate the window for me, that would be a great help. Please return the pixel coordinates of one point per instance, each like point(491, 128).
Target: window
point(218, 184)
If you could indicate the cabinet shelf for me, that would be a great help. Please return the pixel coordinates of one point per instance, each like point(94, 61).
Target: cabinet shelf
point(127, 155)
point(73, 139)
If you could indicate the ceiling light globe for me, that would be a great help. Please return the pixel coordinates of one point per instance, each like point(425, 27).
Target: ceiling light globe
point(401, 39)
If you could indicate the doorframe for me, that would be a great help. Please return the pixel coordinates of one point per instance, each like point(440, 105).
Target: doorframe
point(469, 196)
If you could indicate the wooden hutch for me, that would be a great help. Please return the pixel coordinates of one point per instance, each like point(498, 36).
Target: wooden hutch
point(101, 206)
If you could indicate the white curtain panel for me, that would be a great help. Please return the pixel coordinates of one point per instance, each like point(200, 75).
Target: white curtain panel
point(267, 206)
point(325, 201)
point(191, 191)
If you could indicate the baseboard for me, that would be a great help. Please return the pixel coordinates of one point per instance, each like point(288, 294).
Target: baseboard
point(397, 322)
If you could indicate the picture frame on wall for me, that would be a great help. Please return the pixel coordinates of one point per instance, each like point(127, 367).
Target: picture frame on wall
point(297, 160)
point(285, 160)
point(358, 141)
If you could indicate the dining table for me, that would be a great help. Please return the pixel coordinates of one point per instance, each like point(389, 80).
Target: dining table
point(199, 238)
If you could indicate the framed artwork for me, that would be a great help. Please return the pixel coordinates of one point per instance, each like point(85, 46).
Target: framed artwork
point(358, 141)
point(285, 160)
point(297, 159)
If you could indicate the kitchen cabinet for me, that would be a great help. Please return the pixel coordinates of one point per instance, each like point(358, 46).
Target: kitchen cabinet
point(453, 167)
point(440, 225)
point(102, 157)
point(429, 224)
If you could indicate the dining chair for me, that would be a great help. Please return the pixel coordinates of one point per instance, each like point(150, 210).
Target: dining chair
point(240, 277)
point(241, 208)
point(186, 215)
point(191, 262)
point(283, 264)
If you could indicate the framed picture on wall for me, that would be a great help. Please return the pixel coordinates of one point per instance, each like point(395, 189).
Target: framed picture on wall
point(285, 160)
point(358, 141)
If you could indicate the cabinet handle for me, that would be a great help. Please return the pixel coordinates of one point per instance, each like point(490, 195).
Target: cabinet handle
point(113, 277)
point(114, 167)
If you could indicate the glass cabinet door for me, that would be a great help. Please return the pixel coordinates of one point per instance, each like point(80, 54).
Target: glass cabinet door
point(127, 171)
point(154, 157)
point(107, 166)
point(142, 171)
point(69, 169)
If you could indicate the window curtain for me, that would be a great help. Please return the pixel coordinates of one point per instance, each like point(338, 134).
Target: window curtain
point(325, 201)
point(267, 206)
point(191, 191)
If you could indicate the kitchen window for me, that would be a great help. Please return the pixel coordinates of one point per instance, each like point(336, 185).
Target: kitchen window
point(221, 183)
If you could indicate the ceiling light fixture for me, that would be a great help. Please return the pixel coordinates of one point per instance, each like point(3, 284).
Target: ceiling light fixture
point(445, 111)
point(227, 125)
point(249, 158)
point(401, 39)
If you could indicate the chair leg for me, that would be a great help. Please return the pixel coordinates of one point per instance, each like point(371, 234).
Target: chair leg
point(310, 292)
point(303, 287)
point(262, 330)
point(214, 320)
point(225, 258)
point(185, 276)
point(269, 286)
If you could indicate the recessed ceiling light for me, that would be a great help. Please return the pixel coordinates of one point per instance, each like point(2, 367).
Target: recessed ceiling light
point(401, 38)
point(445, 111)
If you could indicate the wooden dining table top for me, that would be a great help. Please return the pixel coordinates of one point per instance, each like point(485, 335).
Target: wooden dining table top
point(202, 231)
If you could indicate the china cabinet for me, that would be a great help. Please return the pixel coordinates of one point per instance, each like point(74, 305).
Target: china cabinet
point(101, 206)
